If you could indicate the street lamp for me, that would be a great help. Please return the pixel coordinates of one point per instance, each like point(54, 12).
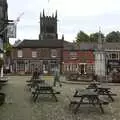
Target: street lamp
point(1, 61)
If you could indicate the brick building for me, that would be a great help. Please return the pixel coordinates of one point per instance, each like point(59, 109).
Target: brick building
point(45, 53)
point(81, 59)
point(78, 58)
point(112, 51)
point(30, 54)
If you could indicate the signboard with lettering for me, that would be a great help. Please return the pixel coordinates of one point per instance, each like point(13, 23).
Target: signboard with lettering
point(11, 30)
point(114, 62)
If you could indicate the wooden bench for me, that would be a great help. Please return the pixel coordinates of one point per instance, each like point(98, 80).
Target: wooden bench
point(74, 101)
point(44, 90)
point(32, 83)
point(105, 91)
point(102, 90)
point(91, 96)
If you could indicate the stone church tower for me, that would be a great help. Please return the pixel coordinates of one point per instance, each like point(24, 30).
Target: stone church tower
point(48, 27)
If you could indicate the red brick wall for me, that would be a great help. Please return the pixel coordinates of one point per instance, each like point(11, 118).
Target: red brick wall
point(82, 56)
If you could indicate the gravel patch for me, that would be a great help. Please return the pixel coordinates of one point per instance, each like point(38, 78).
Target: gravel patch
point(18, 105)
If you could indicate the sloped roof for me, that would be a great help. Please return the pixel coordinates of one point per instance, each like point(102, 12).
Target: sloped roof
point(93, 46)
point(88, 46)
point(39, 43)
point(26, 43)
point(70, 46)
point(111, 45)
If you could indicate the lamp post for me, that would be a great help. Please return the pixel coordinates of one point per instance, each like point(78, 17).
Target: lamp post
point(1, 64)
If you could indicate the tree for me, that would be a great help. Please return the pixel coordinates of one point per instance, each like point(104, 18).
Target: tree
point(7, 54)
point(94, 37)
point(113, 36)
point(7, 47)
point(82, 37)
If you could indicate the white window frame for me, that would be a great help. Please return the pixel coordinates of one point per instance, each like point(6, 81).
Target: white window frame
point(53, 53)
point(73, 55)
point(20, 53)
point(34, 54)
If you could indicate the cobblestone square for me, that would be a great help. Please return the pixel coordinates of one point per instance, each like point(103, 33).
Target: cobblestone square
point(18, 105)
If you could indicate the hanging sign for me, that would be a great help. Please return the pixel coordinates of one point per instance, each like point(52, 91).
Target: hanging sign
point(11, 30)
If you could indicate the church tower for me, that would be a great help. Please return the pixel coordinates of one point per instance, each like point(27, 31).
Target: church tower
point(48, 27)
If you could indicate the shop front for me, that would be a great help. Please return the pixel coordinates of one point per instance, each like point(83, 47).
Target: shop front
point(113, 65)
point(28, 65)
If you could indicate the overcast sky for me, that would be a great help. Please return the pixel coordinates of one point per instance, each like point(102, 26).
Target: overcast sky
point(73, 16)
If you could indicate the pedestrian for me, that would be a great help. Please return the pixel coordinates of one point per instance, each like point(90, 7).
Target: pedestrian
point(94, 77)
point(35, 74)
point(57, 77)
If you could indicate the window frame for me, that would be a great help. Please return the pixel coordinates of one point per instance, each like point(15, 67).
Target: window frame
point(53, 53)
point(18, 52)
point(34, 55)
point(73, 55)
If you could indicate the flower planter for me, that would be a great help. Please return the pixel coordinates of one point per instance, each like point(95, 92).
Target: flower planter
point(2, 98)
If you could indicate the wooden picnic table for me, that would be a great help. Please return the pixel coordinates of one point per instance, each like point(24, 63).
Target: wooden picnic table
point(103, 90)
point(43, 88)
point(93, 85)
point(92, 97)
point(32, 83)
point(36, 80)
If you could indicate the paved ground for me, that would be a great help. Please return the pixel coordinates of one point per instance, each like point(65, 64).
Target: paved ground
point(19, 106)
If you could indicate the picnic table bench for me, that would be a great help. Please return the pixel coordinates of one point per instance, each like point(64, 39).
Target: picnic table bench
point(32, 83)
point(102, 90)
point(92, 98)
point(36, 80)
point(42, 88)
point(93, 85)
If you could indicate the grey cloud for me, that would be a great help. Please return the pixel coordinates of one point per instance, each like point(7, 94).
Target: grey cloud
point(68, 25)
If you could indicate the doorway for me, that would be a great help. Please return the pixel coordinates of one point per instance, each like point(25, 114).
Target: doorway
point(82, 69)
